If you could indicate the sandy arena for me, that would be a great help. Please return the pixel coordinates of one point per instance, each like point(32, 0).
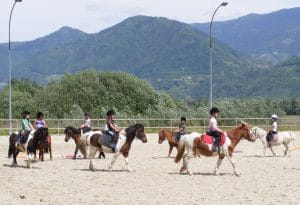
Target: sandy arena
point(154, 179)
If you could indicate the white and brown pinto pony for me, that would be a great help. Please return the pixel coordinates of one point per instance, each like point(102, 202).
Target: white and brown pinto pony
point(196, 145)
point(123, 145)
point(282, 138)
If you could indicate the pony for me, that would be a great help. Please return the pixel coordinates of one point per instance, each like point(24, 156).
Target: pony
point(284, 138)
point(123, 145)
point(35, 138)
point(171, 137)
point(80, 140)
point(44, 147)
point(196, 145)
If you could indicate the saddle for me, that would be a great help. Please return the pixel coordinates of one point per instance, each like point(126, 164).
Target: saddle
point(107, 140)
point(208, 139)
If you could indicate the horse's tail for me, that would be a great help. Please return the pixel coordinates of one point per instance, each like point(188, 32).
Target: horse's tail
point(180, 152)
point(11, 144)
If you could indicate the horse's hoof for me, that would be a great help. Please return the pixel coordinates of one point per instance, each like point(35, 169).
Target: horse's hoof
point(92, 169)
point(237, 174)
point(190, 173)
point(110, 169)
point(182, 169)
point(14, 164)
point(216, 173)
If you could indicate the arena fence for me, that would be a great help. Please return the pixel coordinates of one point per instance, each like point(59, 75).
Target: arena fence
point(57, 126)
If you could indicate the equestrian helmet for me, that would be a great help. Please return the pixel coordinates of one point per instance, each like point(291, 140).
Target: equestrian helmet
point(110, 113)
point(214, 110)
point(274, 116)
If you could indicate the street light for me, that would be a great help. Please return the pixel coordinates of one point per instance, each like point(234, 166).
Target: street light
point(9, 69)
point(210, 52)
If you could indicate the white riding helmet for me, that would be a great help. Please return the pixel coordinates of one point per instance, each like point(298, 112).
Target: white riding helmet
point(274, 116)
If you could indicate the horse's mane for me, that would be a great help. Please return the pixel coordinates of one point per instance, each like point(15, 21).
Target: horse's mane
point(130, 131)
point(73, 129)
point(40, 134)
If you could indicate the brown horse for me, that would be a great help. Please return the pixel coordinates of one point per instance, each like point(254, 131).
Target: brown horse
point(196, 145)
point(171, 137)
point(39, 137)
point(123, 145)
point(80, 141)
point(44, 147)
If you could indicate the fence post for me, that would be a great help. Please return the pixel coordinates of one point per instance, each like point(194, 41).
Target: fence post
point(57, 126)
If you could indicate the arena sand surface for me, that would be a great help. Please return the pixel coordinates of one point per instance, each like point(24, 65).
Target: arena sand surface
point(154, 179)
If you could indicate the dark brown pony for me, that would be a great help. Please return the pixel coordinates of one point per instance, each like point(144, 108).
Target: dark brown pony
point(80, 141)
point(171, 137)
point(39, 137)
point(123, 145)
point(195, 146)
point(44, 147)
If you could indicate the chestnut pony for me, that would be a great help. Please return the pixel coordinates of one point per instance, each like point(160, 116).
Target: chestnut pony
point(80, 141)
point(194, 146)
point(171, 137)
point(123, 145)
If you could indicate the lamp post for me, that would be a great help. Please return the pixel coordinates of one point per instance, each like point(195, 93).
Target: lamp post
point(210, 52)
point(9, 69)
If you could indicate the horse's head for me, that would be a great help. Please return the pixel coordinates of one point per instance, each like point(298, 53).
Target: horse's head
point(246, 132)
point(41, 134)
point(69, 132)
point(161, 136)
point(258, 132)
point(139, 132)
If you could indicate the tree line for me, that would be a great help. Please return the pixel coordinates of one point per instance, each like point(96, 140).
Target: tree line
point(96, 92)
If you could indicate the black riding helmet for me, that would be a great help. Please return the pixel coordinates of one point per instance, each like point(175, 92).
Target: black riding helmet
point(110, 113)
point(39, 115)
point(24, 113)
point(182, 119)
point(214, 110)
point(86, 114)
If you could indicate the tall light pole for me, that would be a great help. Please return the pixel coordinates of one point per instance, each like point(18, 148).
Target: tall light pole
point(9, 69)
point(210, 53)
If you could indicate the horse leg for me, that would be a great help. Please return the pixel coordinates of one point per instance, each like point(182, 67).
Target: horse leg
point(50, 151)
point(286, 149)
point(41, 154)
point(116, 155)
point(219, 162)
point(264, 150)
point(233, 163)
point(170, 150)
point(126, 158)
point(93, 150)
point(272, 150)
point(15, 154)
point(75, 153)
point(28, 161)
point(186, 164)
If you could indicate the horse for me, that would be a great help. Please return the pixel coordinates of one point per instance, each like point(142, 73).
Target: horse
point(35, 138)
point(80, 141)
point(47, 148)
point(96, 142)
point(171, 137)
point(284, 138)
point(196, 145)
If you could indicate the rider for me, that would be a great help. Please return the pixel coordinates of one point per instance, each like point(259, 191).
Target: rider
point(25, 130)
point(181, 129)
point(213, 128)
point(112, 129)
point(86, 126)
point(273, 131)
point(40, 121)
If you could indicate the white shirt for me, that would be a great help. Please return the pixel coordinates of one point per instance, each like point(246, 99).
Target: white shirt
point(212, 124)
point(87, 122)
point(274, 126)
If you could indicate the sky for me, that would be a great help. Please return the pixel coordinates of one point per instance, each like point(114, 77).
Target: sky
point(32, 19)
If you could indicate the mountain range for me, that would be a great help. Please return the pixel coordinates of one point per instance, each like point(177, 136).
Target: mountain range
point(171, 55)
point(272, 37)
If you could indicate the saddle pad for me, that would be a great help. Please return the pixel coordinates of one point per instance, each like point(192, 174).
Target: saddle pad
point(207, 139)
point(275, 138)
point(105, 140)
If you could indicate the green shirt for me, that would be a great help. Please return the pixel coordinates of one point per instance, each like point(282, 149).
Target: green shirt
point(25, 125)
